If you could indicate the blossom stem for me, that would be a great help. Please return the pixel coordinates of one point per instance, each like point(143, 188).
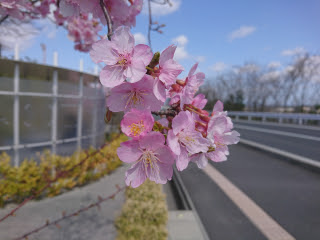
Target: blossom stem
point(108, 19)
point(150, 69)
point(4, 18)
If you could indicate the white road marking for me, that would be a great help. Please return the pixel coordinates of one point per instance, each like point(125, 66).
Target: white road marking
point(283, 153)
point(268, 226)
point(288, 134)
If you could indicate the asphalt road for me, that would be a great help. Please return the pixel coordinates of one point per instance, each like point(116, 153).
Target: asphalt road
point(298, 145)
point(288, 192)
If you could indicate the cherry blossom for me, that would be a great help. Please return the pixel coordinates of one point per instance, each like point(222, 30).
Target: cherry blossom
point(137, 95)
point(137, 123)
point(183, 139)
point(150, 157)
point(123, 59)
point(83, 31)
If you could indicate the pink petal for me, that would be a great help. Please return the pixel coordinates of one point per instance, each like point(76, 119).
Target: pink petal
point(169, 72)
point(104, 51)
point(161, 173)
point(167, 54)
point(192, 70)
point(152, 141)
point(129, 151)
point(142, 52)
point(182, 160)
point(217, 125)
point(165, 155)
point(111, 76)
point(217, 156)
point(218, 107)
point(172, 141)
point(159, 90)
point(135, 176)
point(136, 70)
point(182, 121)
point(230, 138)
point(123, 40)
point(200, 159)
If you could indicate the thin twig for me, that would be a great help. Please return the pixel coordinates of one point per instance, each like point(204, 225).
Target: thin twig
point(150, 24)
point(108, 19)
point(60, 174)
point(168, 112)
point(4, 18)
point(75, 213)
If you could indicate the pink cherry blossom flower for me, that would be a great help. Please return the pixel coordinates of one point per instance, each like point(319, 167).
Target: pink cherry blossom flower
point(137, 95)
point(123, 59)
point(218, 111)
point(15, 8)
point(137, 123)
point(167, 73)
point(192, 83)
point(150, 157)
point(120, 12)
point(220, 136)
point(183, 139)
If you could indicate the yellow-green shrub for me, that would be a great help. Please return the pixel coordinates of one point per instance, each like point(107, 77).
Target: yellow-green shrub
point(144, 214)
point(17, 183)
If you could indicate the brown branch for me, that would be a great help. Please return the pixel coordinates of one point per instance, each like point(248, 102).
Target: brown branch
point(108, 19)
point(4, 18)
point(60, 174)
point(168, 112)
point(75, 213)
point(150, 24)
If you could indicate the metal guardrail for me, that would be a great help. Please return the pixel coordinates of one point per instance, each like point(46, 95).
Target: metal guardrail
point(300, 118)
point(16, 93)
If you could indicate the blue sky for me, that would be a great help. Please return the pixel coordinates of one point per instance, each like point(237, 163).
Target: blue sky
point(218, 34)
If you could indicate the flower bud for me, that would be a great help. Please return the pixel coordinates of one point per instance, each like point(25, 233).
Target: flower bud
point(108, 116)
point(181, 83)
point(204, 118)
point(175, 87)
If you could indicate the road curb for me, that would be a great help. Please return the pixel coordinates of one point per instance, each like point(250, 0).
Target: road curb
point(296, 158)
point(187, 202)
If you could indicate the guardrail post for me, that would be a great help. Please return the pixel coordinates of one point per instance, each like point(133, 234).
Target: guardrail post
point(80, 106)
point(263, 119)
point(237, 117)
point(16, 107)
point(249, 118)
point(300, 121)
point(54, 110)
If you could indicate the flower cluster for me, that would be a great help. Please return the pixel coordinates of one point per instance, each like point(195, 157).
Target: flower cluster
point(140, 83)
point(121, 13)
point(83, 31)
point(81, 18)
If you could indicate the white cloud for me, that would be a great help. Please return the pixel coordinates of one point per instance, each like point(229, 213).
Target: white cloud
point(181, 40)
point(140, 38)
point(218, 67)
point(161, 9)
point(15, 32)
point(242, 32)
point(181, 52)
point(249, 68)
point(292, 52)
point(200, 58)
point(274, 65)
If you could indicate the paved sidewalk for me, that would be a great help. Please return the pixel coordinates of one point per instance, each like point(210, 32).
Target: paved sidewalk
point(94, 224)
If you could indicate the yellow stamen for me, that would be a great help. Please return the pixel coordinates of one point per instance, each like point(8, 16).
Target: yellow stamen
point(137, 128)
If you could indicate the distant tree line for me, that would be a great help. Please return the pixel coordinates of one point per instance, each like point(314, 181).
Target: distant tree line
point(254, 87)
